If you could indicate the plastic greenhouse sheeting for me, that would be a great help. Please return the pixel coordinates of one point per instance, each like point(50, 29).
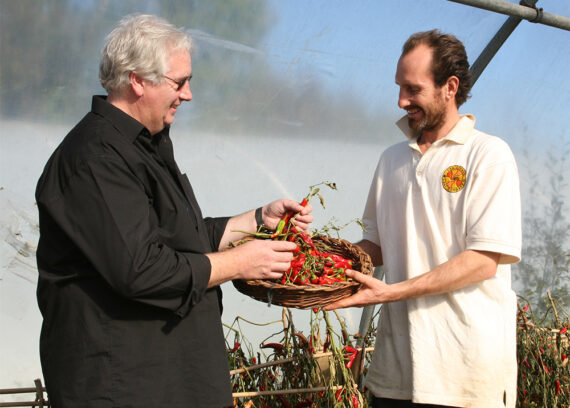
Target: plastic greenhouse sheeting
point(286, 94)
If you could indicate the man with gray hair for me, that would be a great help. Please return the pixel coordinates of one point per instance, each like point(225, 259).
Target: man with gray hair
point(129, 270)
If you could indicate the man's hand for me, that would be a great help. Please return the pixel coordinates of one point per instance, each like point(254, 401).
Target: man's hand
point(371, 292)
point(264, 259)
point(256, 259)
point(272, 213)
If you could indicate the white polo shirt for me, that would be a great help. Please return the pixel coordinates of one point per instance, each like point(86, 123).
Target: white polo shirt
point(458, 348)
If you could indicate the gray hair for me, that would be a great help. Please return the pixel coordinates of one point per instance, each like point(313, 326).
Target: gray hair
point(140, 43)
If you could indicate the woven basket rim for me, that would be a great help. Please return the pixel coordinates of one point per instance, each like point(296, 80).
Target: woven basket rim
point(309, 295)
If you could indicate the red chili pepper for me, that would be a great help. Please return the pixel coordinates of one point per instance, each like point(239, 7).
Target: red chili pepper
point(355, 402)
point(557, 388)
point(280, 226)
point(339, 271)
point(338, 258)
point(307, 239)
point(341, 265)
point(284, 401)
point(275, 346)
point(327, 280)
point(344, 336)
point(525, 362)
point(338, 394)
point(563, 330)
point(285, 220)
point(314, 278)
point(236, 346)
point(352, 352)
point(304, 237)
point(327, 342)
point(317, 253)
point(304, 341)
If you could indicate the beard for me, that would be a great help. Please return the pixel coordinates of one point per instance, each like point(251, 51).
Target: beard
point(433, 118)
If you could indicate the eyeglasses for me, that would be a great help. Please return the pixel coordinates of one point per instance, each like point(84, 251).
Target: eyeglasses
point(179, 84)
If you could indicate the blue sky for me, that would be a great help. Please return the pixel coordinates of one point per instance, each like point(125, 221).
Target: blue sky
point(356, 45)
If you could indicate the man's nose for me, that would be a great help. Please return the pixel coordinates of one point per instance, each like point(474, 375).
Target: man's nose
point(403, 99)
point(185, 92)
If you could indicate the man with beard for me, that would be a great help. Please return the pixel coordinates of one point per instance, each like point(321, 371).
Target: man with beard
point(443, 218)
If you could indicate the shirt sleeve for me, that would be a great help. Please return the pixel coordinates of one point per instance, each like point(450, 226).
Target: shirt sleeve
point(216, 227)
point(370, 215)
point(105, 211)
point(494, 213)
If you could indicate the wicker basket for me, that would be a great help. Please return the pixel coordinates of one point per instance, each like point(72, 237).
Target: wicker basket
point(308, 296)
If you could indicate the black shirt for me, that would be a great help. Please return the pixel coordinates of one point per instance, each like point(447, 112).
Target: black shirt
point(128, 318)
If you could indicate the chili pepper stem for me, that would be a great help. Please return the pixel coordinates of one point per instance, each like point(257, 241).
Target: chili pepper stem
point(255, 234)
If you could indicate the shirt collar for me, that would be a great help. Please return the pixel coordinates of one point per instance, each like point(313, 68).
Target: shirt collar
point(123, 122)
point(459, 134)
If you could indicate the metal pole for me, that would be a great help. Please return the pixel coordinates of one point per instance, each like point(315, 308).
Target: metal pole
point(524, 12)
point(368, 311)
point(496, 42)
point(491, 49)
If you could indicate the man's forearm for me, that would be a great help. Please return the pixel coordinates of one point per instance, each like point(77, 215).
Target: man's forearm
point(243, 222)
point(467, 268)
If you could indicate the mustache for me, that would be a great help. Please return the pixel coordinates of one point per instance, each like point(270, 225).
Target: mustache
point(413, 107)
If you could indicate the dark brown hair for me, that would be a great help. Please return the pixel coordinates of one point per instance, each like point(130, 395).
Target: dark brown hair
point(448, 59)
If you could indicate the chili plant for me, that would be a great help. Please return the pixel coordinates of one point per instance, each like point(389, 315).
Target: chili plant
point(296, 369)
point(542, 355)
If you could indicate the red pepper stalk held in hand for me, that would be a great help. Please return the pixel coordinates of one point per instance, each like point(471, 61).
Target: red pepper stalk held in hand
point(286, 218)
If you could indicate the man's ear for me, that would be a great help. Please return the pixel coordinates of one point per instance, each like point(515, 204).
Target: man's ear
point(451, 87)
point(137, 84)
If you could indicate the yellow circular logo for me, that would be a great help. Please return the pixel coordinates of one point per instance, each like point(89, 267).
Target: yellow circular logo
point(453, 179)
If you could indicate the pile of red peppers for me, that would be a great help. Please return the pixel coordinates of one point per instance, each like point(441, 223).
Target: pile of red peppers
point(313, 263)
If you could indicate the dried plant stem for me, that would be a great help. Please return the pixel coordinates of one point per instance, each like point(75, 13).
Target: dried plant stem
point(286, 360)
point(283, 392)
point(554, 308)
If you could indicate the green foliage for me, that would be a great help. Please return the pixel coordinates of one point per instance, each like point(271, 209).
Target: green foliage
point(542, 355)
point(319, 369)
point(545, 254)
